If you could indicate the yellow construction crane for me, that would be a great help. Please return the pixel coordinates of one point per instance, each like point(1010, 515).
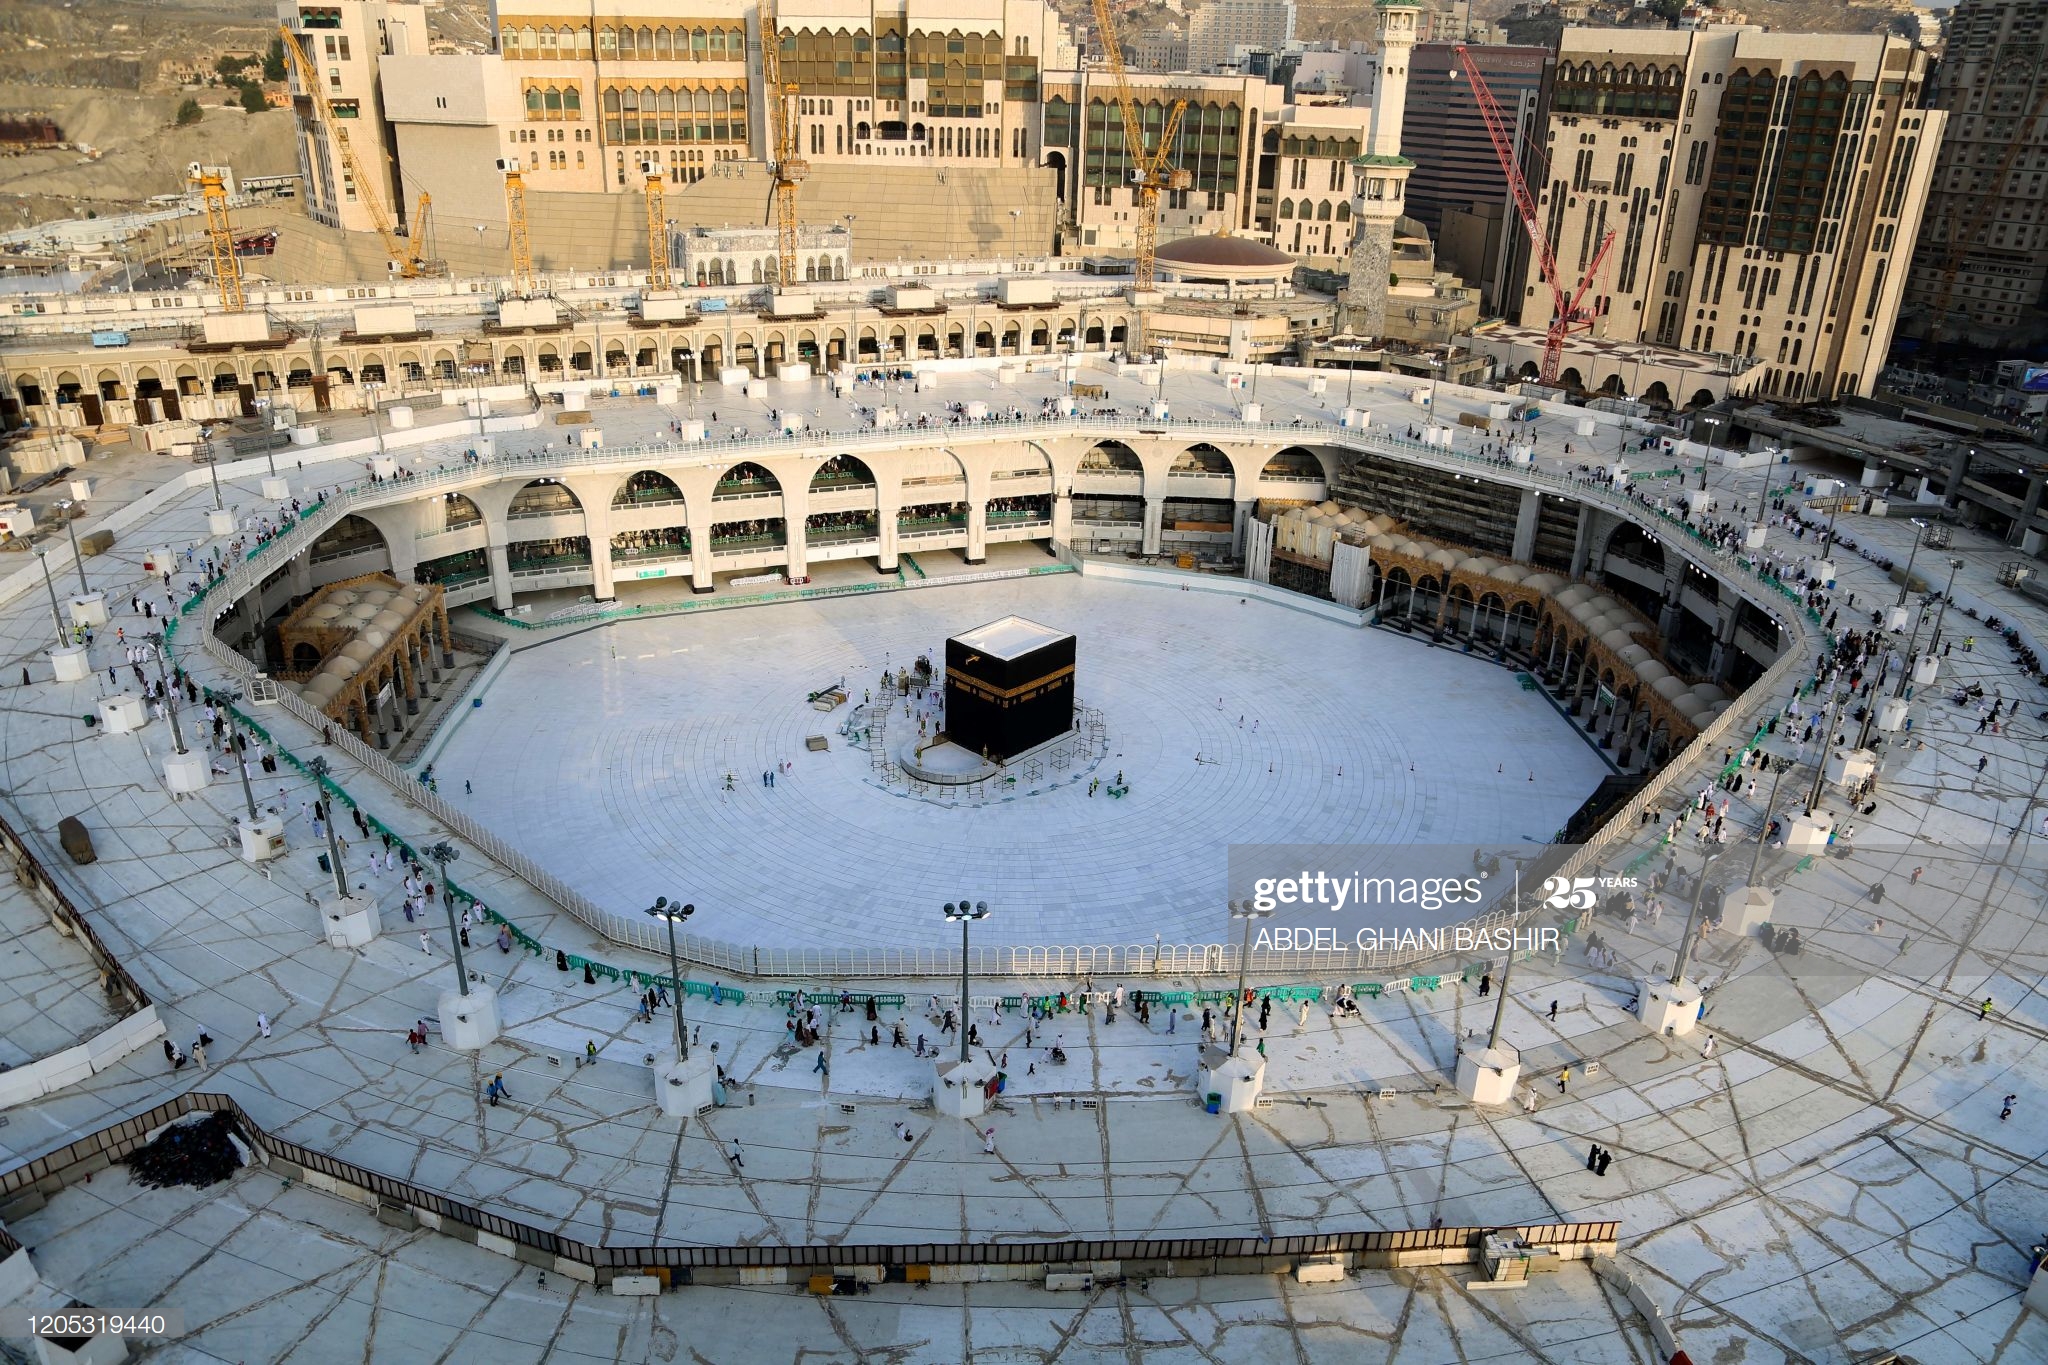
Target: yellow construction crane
point(657, 228)
point(1149, 172)
point(405, 261)
point(1983, 203)
point(220, 237)
point(515, 228)
point(413, 266)
point(788, 168)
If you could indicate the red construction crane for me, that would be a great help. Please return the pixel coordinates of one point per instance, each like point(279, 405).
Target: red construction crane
point(1568, 313)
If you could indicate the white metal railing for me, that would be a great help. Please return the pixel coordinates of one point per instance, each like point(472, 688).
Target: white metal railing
point(1058, 960)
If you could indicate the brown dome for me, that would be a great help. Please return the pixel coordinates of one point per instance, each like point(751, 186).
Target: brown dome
point(1223, 252)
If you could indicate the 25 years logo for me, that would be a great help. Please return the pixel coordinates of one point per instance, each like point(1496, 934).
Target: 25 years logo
point(1569, 893)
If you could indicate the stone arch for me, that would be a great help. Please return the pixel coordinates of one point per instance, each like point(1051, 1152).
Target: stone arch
point(460, 511)
point(645, 485)
point(1296, 462)
point(1571, 379)
point(1657, 395)
point(1112, 456)
point(842, 471)
point(539, 497)
point(746, 477)
point(350, 535)
point(1632, 542)
point(1203, 457)
point(1701, 398)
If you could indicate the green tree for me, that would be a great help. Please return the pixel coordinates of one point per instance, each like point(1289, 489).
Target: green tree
point(230, 67)
point(189, 113)
point(273, 61)
point(252, 97)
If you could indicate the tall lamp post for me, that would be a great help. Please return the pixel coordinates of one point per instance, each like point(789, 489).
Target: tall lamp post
point(1906, 581)
point(964, 914)
point(441, 854)
point(156, 642)
point(213, 468)
point(374, 390)
point(64, 506)
point(56, 613)
point(853, 342)
point(1699, 893)
point(1709, 423)
point(1933, 641)
point(664, 909)
point(1247, 911)
point(319, 767)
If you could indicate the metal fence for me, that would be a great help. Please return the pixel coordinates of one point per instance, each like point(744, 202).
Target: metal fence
point(1020, 961)
point(57, 1168)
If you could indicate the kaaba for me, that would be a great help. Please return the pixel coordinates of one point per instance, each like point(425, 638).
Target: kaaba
point(1009, 687)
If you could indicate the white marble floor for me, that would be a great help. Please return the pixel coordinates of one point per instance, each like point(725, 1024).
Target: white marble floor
point(605, 756)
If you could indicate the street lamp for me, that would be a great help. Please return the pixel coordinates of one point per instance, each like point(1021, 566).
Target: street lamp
point(319, 767)
point(156, 641)
point(1919, 533)
point(1709, 423)
point(853, 346)
point(1699, 893)
point(964, 915)
point(440, 854)
point(1247, 911)
point(64, 506)
point(56, 615)
point(213, 468)
point(376, 427)
point(663, 909)
point(476, 374)
point(1933, 642)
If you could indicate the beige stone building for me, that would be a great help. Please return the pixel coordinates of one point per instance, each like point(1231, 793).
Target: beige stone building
point(1220, 27)
point(1765, 189)
point(347, 42)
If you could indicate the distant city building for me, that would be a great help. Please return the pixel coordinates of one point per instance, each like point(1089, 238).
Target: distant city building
point(1981, 273)
point(1455, 163)
point(1220, 27)
point(346, 42)
point(1158, 50)
point(1766, 189)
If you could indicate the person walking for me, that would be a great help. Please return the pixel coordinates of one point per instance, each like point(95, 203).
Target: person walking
point(1564, 1079)
point(1553, 1011)
point(988, 1141)
point(426, 944)
point(263, 1025)
point(1593, 1158)
point(1707, 1049)
point(1984, 1010)
point(1605, 1157)
point(2005, 1108)
point(199, 1051)
point(738, 1162)
point(1485, 985)
point(496, 1090)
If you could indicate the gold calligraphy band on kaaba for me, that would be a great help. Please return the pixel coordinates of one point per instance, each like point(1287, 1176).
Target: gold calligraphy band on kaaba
point(988, 693)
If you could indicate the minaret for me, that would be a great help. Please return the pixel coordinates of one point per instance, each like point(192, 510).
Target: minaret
point(1380, 177)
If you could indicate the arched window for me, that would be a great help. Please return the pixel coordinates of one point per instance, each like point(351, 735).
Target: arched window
point(553, 99)
point(508, 41)
point(583, 41)
point(1286, 208)
point(534, 103)
point(700, 44)
point(757, 270)
point(1344, 211)
point(628, 47)
point(1323, 212)
point(662, 51)
point(572, 102)
point(646, 43)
